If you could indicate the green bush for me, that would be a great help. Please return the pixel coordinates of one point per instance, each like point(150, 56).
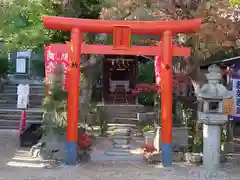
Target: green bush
point(5, 66)
point(55, 106)
point(146, 75)
point(38, 68)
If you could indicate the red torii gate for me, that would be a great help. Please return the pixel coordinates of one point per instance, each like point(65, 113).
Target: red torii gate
point(122, 31)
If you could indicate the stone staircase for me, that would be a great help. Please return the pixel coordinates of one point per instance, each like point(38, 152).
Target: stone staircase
point(123, 113)
point(123, 119)
point(121, 141)
point(10, 115)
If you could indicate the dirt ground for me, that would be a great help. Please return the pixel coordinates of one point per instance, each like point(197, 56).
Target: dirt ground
point(16, 163)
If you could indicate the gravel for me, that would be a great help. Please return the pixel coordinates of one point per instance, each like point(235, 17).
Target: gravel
point(16, 163)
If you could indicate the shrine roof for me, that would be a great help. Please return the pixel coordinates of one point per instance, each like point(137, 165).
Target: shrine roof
point(221, 63)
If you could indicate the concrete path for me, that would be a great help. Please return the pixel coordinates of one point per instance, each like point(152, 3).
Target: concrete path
point(16, 163)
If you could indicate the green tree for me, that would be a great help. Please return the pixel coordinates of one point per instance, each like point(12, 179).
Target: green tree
point(22, 26)
point(219, 32)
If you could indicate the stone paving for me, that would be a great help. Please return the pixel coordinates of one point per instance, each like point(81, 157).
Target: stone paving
point(16, 163)
point(121, 142)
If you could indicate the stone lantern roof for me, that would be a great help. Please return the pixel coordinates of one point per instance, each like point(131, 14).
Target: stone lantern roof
point(213, 90)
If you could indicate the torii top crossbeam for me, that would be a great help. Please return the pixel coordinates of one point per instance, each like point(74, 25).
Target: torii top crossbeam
point(106, 26)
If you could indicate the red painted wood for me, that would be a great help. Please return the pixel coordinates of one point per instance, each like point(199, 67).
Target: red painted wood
point(134, 50)
point(166, 88)
point(121, 37)
point(73, 79)
point(106, 26)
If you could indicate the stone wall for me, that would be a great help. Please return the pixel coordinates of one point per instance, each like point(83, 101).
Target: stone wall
point(157, 4)
point(148, 117)
point(179, 138)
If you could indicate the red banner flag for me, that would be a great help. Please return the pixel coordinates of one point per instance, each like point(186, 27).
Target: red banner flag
point(54, 54)
point(157, 65)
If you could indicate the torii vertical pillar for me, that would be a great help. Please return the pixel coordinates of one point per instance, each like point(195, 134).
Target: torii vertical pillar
point(73, 96)
point(166, 98)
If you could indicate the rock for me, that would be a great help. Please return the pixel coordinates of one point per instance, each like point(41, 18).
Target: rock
point(223, 158)
point(195, 158)
point(178, 156)
point(153, 157)
point(60, 155)
point(36, 149)
point(54, 147)
point(156, 157)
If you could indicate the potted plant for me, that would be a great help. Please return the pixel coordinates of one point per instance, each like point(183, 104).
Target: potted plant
point(223, 145)
point(195, 154)
point(84, 145)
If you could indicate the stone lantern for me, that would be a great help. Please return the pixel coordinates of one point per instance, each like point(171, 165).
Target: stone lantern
point(210, 113)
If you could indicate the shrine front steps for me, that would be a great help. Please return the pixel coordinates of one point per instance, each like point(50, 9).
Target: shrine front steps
point(122, 111)
point(124, 120)
point(10, 118)
point(9, 100)
point(8, 97)
point(36, 88)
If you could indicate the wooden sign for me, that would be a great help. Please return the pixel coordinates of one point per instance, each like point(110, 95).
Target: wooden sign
point(22, 92)
point(228, 106)
point(121, 37)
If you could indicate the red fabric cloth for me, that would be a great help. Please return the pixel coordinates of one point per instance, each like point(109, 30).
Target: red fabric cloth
point(84, 140)
point(22, 124)
point(148, 148)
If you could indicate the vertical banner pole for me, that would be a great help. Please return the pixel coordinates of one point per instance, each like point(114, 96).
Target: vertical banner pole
point(166, 98)
point(73, 96)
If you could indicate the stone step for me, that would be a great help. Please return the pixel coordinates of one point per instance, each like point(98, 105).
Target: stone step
point(14, 101)
point(35, 106)
point(32, 86)
point(11, 84)
point(19, 111)
point(122, 131)
point(123, 107)
point(14, 106)
point(121, 137)
point(119, 150)
point(115, 125)
point(17, 116)
point(121, 141)
point(124, 121)
point(32, 90)
point(113, 153)
point(8, 127)
point(122, 146)
point(122, 115)
point(14, 124)
point(15, 95)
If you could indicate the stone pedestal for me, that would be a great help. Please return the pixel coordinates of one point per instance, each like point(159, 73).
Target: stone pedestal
point(211, 147)
point(157, 139)
point(179, 138)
